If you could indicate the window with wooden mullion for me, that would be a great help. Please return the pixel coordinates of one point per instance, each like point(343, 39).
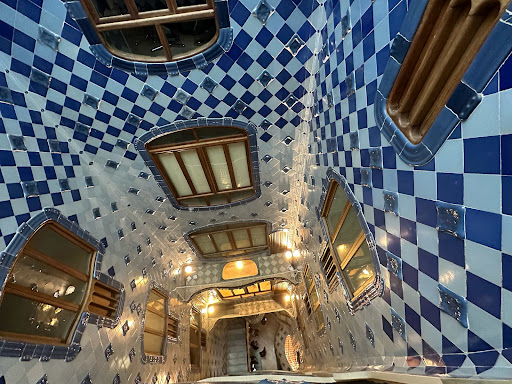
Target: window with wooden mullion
point(329, 268)
point(347, 241)
point(155, 323)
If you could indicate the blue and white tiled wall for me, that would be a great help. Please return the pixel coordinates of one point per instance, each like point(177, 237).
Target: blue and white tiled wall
point(442, 229)
point(289, 76)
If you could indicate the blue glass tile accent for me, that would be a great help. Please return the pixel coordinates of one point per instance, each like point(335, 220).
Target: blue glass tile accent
point(288, 140)
point(263, 11)
point(5, 95)
point(454, 305)
point(43, 380)
point(265, 124)
point(354, 140)
point(450, 219)
point(375, 157)
point(352, 341)
point(91, 101)
point(350, 84)
point(149, 92)
point(345, 24)
point(290, 100)
point(366, 177)
point(239, 106)
point(186, 112)
point(96, 213)
point(30, 188)
point(394, 264)
point(295, 44)
point(390, 202)
point(133, 120)
point(64, 185)
point(17, 143)
point(48, 38)
point(370, 335)
point(86, 380)
point(40, 77)
point(266, 158)
point(265, 78)
point(208, 84)
point(89, 181)
point(398, 324)
point(182, 96)
point(112, 164)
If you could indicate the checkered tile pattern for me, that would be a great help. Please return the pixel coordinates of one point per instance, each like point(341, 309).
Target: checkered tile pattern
point(77, 115)
point(470, 171)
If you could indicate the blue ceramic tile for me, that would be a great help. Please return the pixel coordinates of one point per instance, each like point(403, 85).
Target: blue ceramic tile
point(390, 202)
point(451, 219)
point(149, 92)
point(463, 101)
point(263, 11)
point(398, 324)
point(454, 305)
point(48, 38)
point(394, 265)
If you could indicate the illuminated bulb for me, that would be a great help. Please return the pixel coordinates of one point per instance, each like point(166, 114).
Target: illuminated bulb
point(239, 264)
point(365, 272)
point(288, 254)
point(296, 253)
point(287, 298)
point(188, 269)
point(211, 308)
point(70, 290)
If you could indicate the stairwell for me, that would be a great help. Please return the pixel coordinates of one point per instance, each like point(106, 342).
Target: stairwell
point(236, 347)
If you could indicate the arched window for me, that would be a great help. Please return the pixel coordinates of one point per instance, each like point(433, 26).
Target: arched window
point(239, 269)
point(50, 284)
point(154, 30)
point(350, 254)
point(205, 166)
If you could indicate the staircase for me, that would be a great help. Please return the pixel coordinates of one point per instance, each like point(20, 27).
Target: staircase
point(236, 347)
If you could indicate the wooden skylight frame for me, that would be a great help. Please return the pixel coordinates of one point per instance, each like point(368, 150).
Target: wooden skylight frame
point(230, 231)
point(157, 17)
point(201, 148)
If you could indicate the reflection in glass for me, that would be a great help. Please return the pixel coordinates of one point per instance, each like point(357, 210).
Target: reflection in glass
point(141, 41)
point(188, 36)
point(347, 235)
point(27, 317)
point(337, 207)
point(360, 268)
point(59, 248)
point(41, 277)
point(110, 7)
point(150, 5)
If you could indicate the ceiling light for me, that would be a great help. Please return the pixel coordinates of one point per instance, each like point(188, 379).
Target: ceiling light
point(288, 254)
point(239, 264)
point(296, 253)
point(188, 269)
point(211, 308)
point(287, 298)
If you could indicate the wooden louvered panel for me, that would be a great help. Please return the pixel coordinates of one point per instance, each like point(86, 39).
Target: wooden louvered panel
point(203, 338)
point(446, 42)
point(172, 327)
point(104, 300)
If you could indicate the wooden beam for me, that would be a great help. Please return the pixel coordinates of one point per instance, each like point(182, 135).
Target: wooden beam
point(164, 42)
point(39, 297)
point(39, 256)
point(170, 18)
point(185, 173)
point(230, 165)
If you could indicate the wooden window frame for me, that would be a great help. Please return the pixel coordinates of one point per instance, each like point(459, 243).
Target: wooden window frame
point(312, 306)
point(134, 19)
point(341, 264)
point(199, 329)
point(228, 229)
point(199, 145)
point(164, 315)
point(89, 300)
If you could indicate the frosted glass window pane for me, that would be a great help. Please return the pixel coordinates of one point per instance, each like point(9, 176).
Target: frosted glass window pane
point(225, 292)
point(238, 291)
point(222, 241)
point(265, 286)
point(173, 170)
point(155, 321)
point(195, 171)
point(156, 302)
point(220, 167)
point(204, 244)
point(337, 207)
point(258, 236)
point(360, 268)
point(43, 278)
point(239, 160)
point(241, 238)
point(28, 317)
point(347, 235)
point(52, 244)
point(253, 288)
point(153, 344)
